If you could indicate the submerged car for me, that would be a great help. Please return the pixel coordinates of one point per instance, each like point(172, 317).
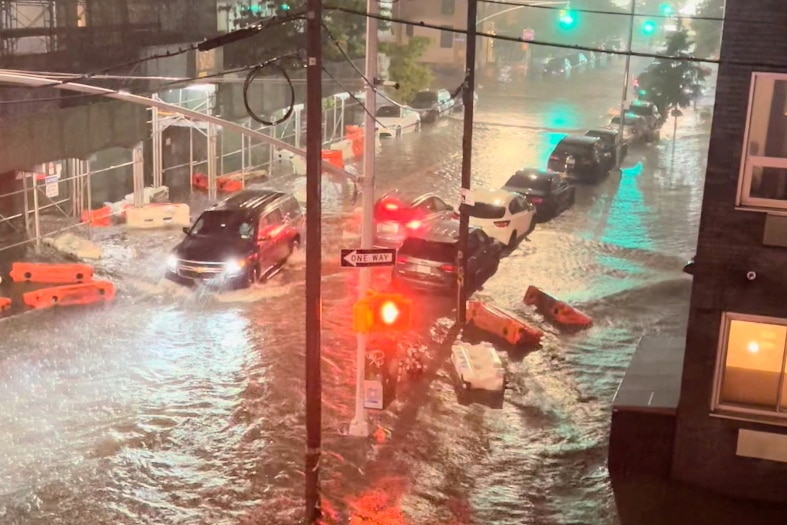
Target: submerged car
point(580, 158)
point(239, 241)
point(396, 120)
point(503, 215)
point(546, 190)
point(398, 212)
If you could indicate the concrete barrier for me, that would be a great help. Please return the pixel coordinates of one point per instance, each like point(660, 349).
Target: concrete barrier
point(158, 216)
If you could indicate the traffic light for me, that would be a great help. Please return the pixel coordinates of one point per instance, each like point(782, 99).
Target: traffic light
point(284, 6)
point(649, 27)
point(568, 19)
point(666, 9)
point(382, 312)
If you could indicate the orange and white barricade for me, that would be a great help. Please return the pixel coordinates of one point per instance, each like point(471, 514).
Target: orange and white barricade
point(70, 295)
point(158, 216)
point(51, 273)
point(5, 303)
point(556, 311)
point(502, 324)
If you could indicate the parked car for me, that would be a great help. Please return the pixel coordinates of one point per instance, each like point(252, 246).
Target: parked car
point(580, 158)
point(651, 115)
point(634, 127)
point(395, 120)
point(579, 62)
point(503, 215)
point(398, 211)
point(432, 105)
point(609, 139)
point(459, 103)
point(546, 190)
point(428, 258)
point(238, 241)
point(557, 68)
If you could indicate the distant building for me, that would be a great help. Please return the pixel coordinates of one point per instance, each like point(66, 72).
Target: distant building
point(446, 49)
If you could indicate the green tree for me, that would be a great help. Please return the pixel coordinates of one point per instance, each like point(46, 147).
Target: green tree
point(348, 28)
point(673, 83)
point(405, 68)
point(708, 32)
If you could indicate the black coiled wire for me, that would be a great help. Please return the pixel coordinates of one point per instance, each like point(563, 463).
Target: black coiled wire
point(252, 76)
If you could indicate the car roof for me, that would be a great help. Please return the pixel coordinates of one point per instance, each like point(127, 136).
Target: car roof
point(446, 231)
point(497, 197)
point(408, 196)
point(534, 174)
point(250, 200)
point(601, 131)
point(579, 140)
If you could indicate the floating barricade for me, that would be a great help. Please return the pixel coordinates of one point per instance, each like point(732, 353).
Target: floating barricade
point(70, 295)
point(501, 323)
point(51, 273)
point(554, 310)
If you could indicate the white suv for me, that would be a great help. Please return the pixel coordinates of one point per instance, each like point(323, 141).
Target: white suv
point(503, 215)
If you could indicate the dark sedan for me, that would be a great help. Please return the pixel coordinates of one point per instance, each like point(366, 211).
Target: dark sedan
point(609, 139)
point(399, 212)
point(546, 190)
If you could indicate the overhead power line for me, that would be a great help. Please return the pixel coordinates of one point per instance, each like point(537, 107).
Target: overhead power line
point(506, 38)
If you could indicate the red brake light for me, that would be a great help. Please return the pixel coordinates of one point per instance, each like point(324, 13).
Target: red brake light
point(536, 200)
point(554, 157)
point(391, 206)
point(414, 225)
point(450, 268)
point(502, 224)
point(401, 259)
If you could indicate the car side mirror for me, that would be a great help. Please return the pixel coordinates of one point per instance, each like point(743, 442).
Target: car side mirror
point(186, 230)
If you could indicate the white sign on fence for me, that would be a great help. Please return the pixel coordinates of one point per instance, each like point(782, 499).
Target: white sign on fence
point(52, 186)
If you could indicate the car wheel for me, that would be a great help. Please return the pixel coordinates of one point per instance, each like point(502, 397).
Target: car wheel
point(531, 227)
point(512, 239)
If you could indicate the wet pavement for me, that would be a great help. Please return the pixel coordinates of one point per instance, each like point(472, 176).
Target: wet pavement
point(178, 406)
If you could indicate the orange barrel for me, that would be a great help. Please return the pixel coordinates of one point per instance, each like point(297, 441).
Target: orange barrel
point(335, 157)
point(99, 217)
point(502, 324)
point(70, 295)
point(554, 310)
point(199, 180)
point(5, 303)
point(51, 273)
point(229, 183)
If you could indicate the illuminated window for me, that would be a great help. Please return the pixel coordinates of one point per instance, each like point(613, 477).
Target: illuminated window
point(751, 367)
point(763, 177)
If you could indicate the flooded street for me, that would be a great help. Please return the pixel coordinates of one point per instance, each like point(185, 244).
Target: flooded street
point(180, 407)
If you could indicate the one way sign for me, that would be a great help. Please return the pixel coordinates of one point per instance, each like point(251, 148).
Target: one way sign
point(366, 258)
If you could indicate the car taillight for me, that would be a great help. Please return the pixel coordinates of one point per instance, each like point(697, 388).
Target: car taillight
point(391, 206)
point(536, 200)
point(449, 268)
point(414, 225)
point(554, 157)
point(401, 259)
point(502, 224)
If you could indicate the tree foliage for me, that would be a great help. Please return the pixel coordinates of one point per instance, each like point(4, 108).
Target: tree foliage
point(349, 29)
point(671, 83)
point(405, 68)
point(708, 32)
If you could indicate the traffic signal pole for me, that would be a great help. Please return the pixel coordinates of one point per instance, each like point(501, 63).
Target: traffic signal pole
point(313, 258)
point(624, 96)
point(359, 426)
point(467, 151)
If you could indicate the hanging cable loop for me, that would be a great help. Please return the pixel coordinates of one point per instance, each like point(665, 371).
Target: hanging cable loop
point(252, 76)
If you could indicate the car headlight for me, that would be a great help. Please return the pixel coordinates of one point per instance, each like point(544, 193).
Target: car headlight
point(234, 266)
point(172, 262)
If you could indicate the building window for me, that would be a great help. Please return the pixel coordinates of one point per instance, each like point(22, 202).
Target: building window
point(446, 39)
point(409, 29)
point(448, 7)
point(750, 374)
point(763, 179)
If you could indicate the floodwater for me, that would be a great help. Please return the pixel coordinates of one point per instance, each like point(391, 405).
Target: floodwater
point(183, 407)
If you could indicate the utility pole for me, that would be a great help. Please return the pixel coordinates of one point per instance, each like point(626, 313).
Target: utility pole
point(467, 151)
point(624, 96)
point(359, 426)
point(313, 258)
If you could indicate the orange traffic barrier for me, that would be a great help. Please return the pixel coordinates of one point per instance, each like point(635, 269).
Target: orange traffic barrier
point(335, 157)
point(5, 303)
point(229, 184)
point(502, 324)
point(70, 295)
point(99, 217)
point(355, 135)
point(556, 311)
point(199, 180)
point(51, 273)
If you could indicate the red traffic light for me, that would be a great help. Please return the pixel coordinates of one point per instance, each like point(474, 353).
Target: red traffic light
point(382, 313)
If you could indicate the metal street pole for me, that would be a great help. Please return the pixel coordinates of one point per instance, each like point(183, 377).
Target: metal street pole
point(359, 426)
point(313, 258)
point(624, 96)
point(467, 151)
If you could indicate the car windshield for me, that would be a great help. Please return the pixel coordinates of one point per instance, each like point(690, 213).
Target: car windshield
point(644, 111)
point(529, 182)
point(223, 224)
point(443, 252)
point(570, 149)
point(389, 112)
point(425, 99)
point(483, 210)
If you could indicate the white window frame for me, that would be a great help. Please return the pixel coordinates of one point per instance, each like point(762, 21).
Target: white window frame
point(717, 407)
point(743, 199)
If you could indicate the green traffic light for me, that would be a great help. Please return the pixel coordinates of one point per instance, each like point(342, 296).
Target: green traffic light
point(284, 7)
point(649, 27)
point(254, 9)
point(666, 9)
point(567, 19)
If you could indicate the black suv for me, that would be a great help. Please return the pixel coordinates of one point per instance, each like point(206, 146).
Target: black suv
point(427, 259)
point(546, 190)
point(609, 139)
point(580, 158)
point(238, 241)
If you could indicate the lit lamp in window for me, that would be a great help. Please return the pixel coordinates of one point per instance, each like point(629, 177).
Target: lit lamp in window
point(753, 347)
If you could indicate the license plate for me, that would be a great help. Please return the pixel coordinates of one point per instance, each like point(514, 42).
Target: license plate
point(388, 228)
point(420, 268)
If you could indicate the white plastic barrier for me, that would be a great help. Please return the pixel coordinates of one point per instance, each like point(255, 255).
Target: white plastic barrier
point(149, 195)
point(158, 216)
point(346, 147)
